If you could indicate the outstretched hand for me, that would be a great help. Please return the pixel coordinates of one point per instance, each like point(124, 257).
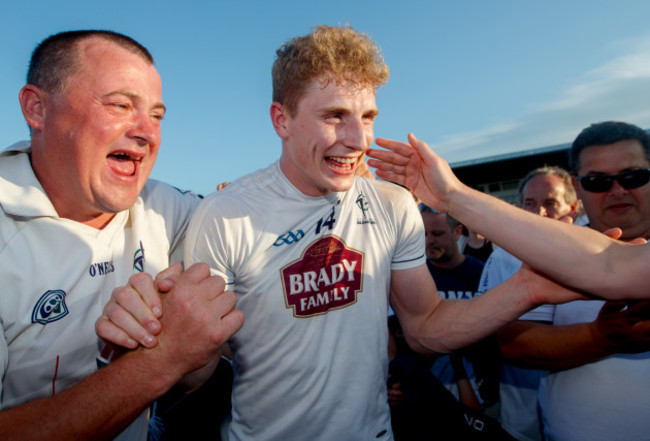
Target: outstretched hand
point(417, 167)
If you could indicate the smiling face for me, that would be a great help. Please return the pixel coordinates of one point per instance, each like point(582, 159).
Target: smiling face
point(617, 207)
point(327, 137)
point(94, 144)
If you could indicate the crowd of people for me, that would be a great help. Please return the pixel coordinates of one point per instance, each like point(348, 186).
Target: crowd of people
point(276, 289)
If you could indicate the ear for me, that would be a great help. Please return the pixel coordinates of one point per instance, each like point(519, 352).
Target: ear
point(279, 118)
point(32, 102)
point(576, 186)
point(458, 230)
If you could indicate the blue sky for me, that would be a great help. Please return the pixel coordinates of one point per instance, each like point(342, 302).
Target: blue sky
point(472, 78)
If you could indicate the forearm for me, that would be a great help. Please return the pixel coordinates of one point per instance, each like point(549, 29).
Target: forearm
point(535, 345)
point(454, 324)
point(97, 408)
point(575, 256)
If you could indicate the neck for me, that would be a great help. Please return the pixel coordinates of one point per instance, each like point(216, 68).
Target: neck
point(452, 263)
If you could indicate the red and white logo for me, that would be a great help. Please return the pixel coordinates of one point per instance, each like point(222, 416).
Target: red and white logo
point(327, 276)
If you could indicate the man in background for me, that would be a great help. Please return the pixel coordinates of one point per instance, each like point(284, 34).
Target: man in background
point(546, 191)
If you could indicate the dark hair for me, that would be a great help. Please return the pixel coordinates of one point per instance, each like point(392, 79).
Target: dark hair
point(608, 132)
point(56, 58)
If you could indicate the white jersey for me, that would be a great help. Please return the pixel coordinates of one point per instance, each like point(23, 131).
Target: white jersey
point(606, 400)
point(312, 277)
point(518, 387)
point(58, 274)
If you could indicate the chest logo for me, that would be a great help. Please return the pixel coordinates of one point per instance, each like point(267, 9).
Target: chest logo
point(50, 307)
point(327, 276)
point(363, 205)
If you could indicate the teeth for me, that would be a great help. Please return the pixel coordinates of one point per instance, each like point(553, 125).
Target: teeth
point(125, 156)
point(343, 160)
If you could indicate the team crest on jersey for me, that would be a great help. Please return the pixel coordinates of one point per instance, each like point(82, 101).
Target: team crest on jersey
point(50, 307)
point(363, 205)
point(327, 276)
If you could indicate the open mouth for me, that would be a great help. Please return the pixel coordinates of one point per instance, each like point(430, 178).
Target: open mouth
point(341, 163)
point(123, 163)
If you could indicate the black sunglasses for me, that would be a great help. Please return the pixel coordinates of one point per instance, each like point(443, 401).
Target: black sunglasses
point(629, 179)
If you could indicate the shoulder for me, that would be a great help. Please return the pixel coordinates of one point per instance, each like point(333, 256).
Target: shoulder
point(163, 198)
point(473, 264)
point(501, 257)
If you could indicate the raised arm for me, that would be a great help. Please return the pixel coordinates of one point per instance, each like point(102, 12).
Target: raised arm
point(579, 257)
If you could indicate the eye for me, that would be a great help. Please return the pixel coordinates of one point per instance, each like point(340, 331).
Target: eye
point(121, 106)
point(370, 117)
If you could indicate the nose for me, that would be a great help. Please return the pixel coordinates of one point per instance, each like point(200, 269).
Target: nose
point(617, 189)
point(358, 134)
point(145, 129)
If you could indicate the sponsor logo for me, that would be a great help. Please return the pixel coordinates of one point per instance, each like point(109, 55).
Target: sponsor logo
point(101, 268)
point(363, 205)
point(289, 238)
point(50, 307)
point(327, 276)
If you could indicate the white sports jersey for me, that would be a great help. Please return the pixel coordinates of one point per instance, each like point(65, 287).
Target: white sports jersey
point(605, 400)
point(58, 274)
point(312, 277)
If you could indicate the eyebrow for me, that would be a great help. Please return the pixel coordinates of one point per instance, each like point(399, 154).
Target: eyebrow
point(338, 109)
point(134, 96)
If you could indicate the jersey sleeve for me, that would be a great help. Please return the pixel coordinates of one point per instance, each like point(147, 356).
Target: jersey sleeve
point(177, 207)
point(205, 239)
point(410, 245)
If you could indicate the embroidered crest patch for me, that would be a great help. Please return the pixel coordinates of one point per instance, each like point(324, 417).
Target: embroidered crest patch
point(50, 307)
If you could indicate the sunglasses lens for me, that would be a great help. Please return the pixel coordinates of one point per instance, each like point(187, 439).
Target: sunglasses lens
point(634, 179)
point(628, 180)
point(596, 184)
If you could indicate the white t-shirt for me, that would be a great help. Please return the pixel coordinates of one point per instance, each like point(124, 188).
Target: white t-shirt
point(312, 277)
point(58, 274)
point(606, 400)
point(518, 387)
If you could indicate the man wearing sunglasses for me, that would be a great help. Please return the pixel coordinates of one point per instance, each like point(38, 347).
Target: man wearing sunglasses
point(602, 400)
point(610, 161)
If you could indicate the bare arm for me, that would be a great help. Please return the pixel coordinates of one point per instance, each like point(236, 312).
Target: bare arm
point(544, 346)
point(575, 256)
point(433, 325)
point(104, 403)
point(97, 408)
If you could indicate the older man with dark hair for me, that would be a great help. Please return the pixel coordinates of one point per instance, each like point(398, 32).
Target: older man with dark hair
point(77, 214)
